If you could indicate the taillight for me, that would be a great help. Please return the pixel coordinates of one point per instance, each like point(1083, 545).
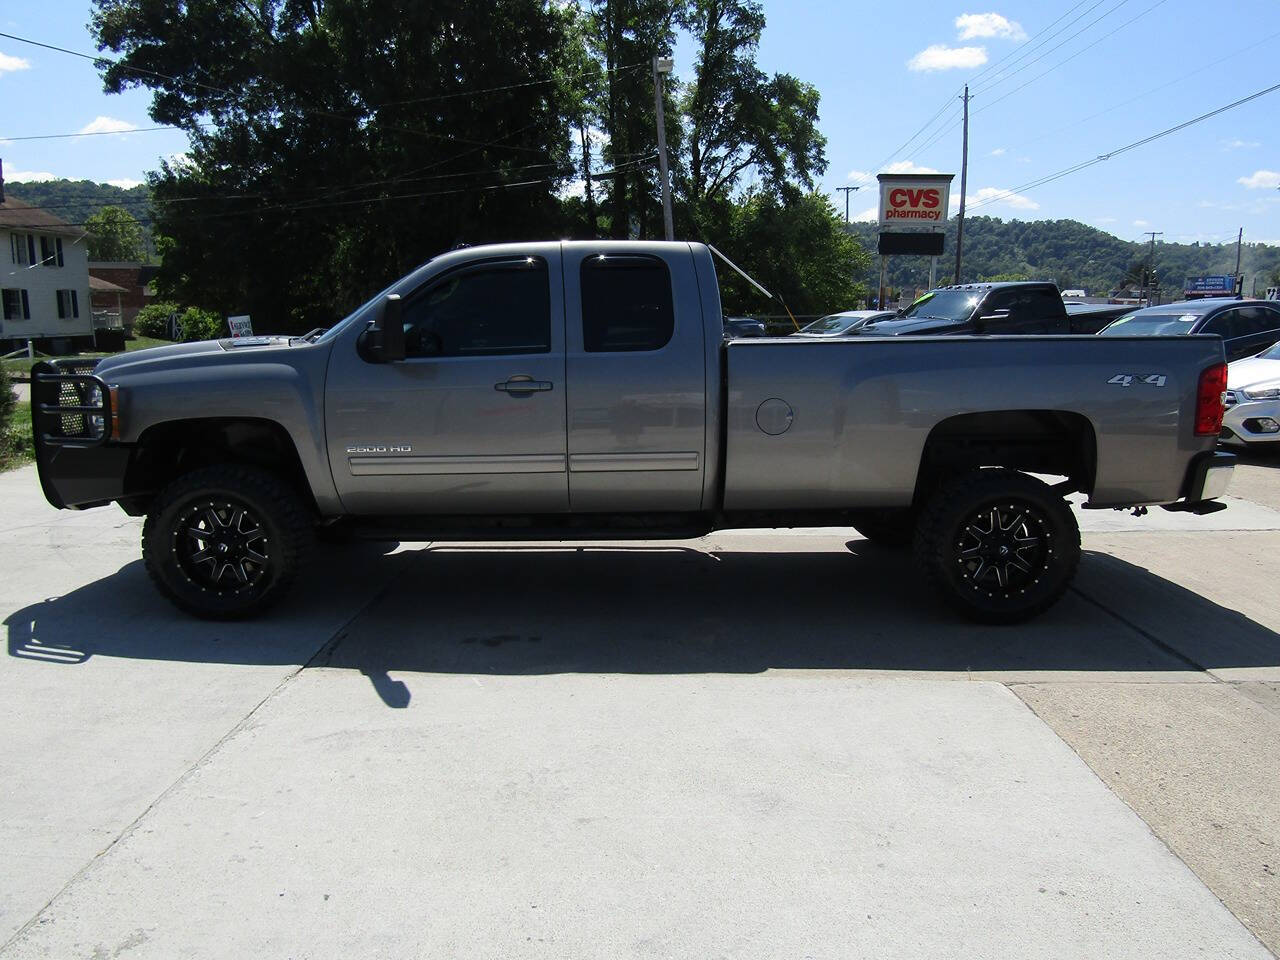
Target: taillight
point(1209, 408)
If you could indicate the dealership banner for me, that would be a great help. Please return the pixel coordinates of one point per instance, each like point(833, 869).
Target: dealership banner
point(913, 200)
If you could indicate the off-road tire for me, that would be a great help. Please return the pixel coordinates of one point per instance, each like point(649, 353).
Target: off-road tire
point(279, 531)
point(952, 541)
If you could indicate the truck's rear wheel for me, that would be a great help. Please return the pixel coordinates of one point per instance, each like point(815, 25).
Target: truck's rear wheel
point(225, 542)
point(998, 545)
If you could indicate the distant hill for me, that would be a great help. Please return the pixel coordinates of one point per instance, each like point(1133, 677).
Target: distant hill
point(1072, 253)
point(76, 200)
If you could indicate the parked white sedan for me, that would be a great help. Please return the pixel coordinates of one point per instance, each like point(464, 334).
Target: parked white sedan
point(1253, 400)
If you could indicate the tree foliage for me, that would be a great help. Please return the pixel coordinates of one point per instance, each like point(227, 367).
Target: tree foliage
point(114, 234)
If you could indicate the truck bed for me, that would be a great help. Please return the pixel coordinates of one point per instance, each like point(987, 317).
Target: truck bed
point(849, 419)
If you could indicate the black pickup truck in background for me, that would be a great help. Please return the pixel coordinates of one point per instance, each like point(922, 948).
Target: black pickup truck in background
point(994, 308)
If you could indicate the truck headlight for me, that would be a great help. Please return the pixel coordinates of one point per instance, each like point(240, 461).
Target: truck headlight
point(97, 423)
point(1270, 390)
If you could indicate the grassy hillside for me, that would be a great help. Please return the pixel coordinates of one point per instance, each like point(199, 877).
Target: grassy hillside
point(1072, 253)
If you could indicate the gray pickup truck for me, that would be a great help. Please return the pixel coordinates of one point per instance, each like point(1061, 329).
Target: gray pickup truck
point(579, 390)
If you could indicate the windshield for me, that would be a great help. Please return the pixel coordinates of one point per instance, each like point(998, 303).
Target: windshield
point(1152, 325)
point(944, 305)
point(832, 324)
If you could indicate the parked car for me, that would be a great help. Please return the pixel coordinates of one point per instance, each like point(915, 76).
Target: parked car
point(584, 390)
point(1253, 400)
point(735, 327)
point(992, 308)
point(1247, 327)
point(842, 324)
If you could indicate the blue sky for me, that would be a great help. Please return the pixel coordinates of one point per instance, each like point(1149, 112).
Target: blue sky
point(1103, 73)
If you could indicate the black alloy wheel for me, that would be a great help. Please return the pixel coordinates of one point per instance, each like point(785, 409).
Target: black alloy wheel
point(222, 546)
point(998, 545)
point(226, 542)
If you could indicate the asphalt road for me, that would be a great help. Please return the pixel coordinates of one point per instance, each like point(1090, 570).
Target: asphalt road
point(752, 745)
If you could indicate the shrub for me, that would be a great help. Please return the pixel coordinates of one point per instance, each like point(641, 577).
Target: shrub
point(198, 324)
point(153, 320)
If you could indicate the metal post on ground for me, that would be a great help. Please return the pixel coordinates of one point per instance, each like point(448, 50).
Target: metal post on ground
point(31, 349)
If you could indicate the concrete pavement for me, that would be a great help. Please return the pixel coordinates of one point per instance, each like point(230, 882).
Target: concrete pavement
point(751, 745)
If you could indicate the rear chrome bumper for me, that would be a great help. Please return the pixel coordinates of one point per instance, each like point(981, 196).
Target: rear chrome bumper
point(1209, 476)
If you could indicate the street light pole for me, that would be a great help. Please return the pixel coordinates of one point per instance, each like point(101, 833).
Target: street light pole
point(663, 65)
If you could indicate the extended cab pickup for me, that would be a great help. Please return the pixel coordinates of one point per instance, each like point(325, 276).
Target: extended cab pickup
point(994, 308)
point(581, 390)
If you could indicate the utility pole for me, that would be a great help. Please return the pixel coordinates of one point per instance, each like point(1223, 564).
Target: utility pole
point(663, 65)
point(1151, 265)
point(847, 191)
point(1239, 244)
point(586, 177)
point(964, 184)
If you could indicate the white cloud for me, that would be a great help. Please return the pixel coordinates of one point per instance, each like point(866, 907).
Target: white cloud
point(941, 57)
point(860, 175)
point(995, 196)
point(1240, 144)
point(574, 189)
point(906, 166)
point(1142, 223)
point(10, 64)
point(998, 152)
point(125, 183)
point(1261, 180)
point(1022, 159)
point(972, 25)
point(869, 215)
point(29, 176)
point(176, 160)
point(108, 125)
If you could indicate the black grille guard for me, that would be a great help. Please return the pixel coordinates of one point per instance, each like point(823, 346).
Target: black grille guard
point(62, 413)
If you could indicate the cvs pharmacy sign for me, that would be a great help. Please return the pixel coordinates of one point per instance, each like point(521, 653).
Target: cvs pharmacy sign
point(914, 199)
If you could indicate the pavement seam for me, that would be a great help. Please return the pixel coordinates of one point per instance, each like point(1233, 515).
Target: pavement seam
point(1150, 829)
point(327, 647)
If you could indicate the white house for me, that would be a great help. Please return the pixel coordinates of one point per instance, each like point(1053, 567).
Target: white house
point(44, 280)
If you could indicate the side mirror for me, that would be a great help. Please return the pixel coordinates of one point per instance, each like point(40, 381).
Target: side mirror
point(385, 336)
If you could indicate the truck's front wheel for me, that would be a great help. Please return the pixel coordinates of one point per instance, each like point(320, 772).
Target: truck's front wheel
point(1000, 546)
point(225, 542)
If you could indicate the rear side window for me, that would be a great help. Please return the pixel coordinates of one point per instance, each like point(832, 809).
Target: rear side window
point(1255, 320)
point(626, 304)
point(487, 310)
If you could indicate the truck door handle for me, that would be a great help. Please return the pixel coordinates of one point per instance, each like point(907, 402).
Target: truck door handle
point(523, 384)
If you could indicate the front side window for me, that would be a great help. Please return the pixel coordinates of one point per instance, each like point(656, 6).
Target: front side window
point(1226, 325)
point(626, 304)
point(1257, 320)
point(485, 310)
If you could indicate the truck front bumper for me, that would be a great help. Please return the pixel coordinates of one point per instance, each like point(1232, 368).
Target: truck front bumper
point(71, 431)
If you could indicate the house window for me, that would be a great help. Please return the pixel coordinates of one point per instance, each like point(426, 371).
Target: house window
point(51, 251)
point(18, 249)
point(16, 305)
point(68, 305)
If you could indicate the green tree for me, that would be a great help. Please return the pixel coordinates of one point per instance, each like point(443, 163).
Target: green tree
point(114, 234)
point(739, 121)
point(625, 36)
point(336, 145)
point(799, 250)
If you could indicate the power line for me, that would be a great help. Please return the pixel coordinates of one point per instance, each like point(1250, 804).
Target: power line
point(96, 59)
point(948, 103)
point(1084, 49)
point(1125, 149)
point(1001, 78)
point(305, 206)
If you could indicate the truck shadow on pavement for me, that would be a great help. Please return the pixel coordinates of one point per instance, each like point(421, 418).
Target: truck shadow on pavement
point(649, 610)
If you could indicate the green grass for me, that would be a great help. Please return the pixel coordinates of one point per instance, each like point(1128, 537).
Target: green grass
point(21, 368)
point(15, 441)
